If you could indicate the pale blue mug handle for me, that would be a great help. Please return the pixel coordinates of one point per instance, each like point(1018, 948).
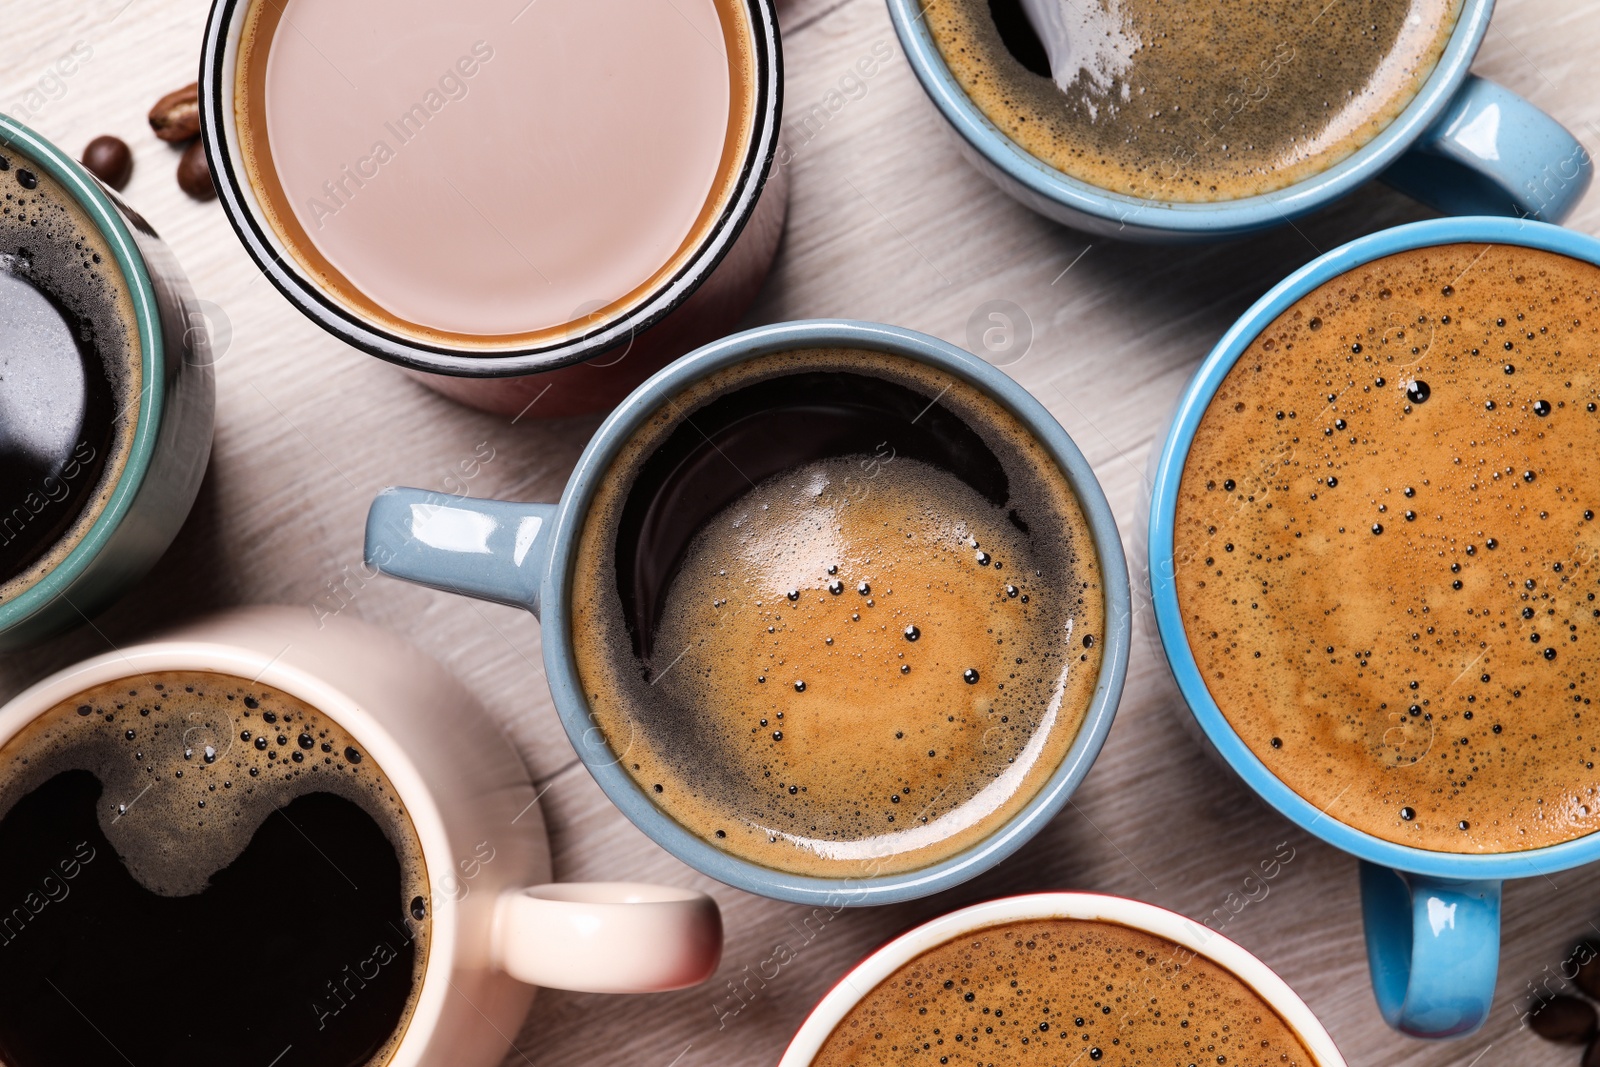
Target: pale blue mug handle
point(1493, 153)
point(1433, 946)
point(495, 550)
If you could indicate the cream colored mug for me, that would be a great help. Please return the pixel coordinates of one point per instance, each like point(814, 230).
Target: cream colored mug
point(499, 928)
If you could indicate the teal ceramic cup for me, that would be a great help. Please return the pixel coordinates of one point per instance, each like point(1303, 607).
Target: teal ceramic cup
point(171, 443)
point(1432, 918)
point(1464, 145)
point(525, 554)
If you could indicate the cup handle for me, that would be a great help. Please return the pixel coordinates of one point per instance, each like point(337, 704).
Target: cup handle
point(608, 937)
point(1433, 946)
point(494, 550)
point(1493, 153)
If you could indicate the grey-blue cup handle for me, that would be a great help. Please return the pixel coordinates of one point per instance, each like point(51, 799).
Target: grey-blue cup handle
point(494, 550)
point(1433, 945)
point(1493, 153)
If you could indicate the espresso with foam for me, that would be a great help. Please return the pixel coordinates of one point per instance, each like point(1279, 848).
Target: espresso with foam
point(1193, 101)
point(837, 613)
point(69, 373)
point(1386, 541)
point(1056, 991)
point(485, 175)
point(199, 868)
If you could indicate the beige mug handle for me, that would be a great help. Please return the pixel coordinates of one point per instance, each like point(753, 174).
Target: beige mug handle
point(608, 937)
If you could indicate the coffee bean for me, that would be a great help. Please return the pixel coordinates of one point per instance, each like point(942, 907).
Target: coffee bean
point(176, 116)
point(1588, 976)
point(1568, 1020)
point(1591, 1055)
point(194, 173)
point(108, 159)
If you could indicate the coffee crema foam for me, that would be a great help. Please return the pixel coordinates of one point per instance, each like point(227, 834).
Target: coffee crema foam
point(862, 666)
point(1386, 548)
point(1055, 991)
point(1204, 100)
point(48, 242)
point(192, 764)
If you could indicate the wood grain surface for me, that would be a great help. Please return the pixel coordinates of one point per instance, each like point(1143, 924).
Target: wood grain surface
point(886, 223)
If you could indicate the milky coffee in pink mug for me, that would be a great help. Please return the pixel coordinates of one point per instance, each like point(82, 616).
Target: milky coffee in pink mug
point(533, 206)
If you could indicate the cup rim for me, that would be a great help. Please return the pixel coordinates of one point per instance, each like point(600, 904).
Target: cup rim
point(265, 249)
point(1198, 219)
point(603, 764)
point(1174, 453)
point(105, 211)
point(219, 656)
point(1098, 907)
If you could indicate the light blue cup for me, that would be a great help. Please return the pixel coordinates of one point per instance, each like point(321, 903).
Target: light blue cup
point(1464, 145)
point(1432, 918)
point(524, 554)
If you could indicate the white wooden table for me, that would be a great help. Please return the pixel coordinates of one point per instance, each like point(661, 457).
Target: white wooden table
point(886, 223)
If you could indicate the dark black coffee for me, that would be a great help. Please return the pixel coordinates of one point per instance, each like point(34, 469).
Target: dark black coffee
point(69, 373)
point(195, 869)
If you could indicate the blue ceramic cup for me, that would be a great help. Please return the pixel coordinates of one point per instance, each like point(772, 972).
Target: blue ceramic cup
point(524, 555)
point(1432, 918)
point(1464, 145)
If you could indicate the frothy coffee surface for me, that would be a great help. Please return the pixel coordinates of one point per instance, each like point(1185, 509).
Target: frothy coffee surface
point(69, 373)
point(158, 818)
point(1199, 100)
point(1386, 547)
point(1057, 991)
point(862, 664)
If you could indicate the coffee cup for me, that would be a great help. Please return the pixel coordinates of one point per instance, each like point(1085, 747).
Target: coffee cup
point(531, 210)
point(278, 757)
point(1434, 845)
point(1174, 941)
point(1449, 138)
point(866, 414)
point(106, 406)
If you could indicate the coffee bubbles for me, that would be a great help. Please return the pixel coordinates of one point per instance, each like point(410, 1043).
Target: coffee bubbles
point(1203, 100)
point(1404, 600)
point(862, 662)
point(1062, 991)
point(69, 373)
point(205, 759)
point(244, 851)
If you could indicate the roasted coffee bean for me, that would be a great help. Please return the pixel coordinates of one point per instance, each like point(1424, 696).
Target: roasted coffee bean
point(1591, 1055)
point(1587, 955)
point(1569, 1020)
point(194, 173)
point(176, 116)
point(109, 160)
